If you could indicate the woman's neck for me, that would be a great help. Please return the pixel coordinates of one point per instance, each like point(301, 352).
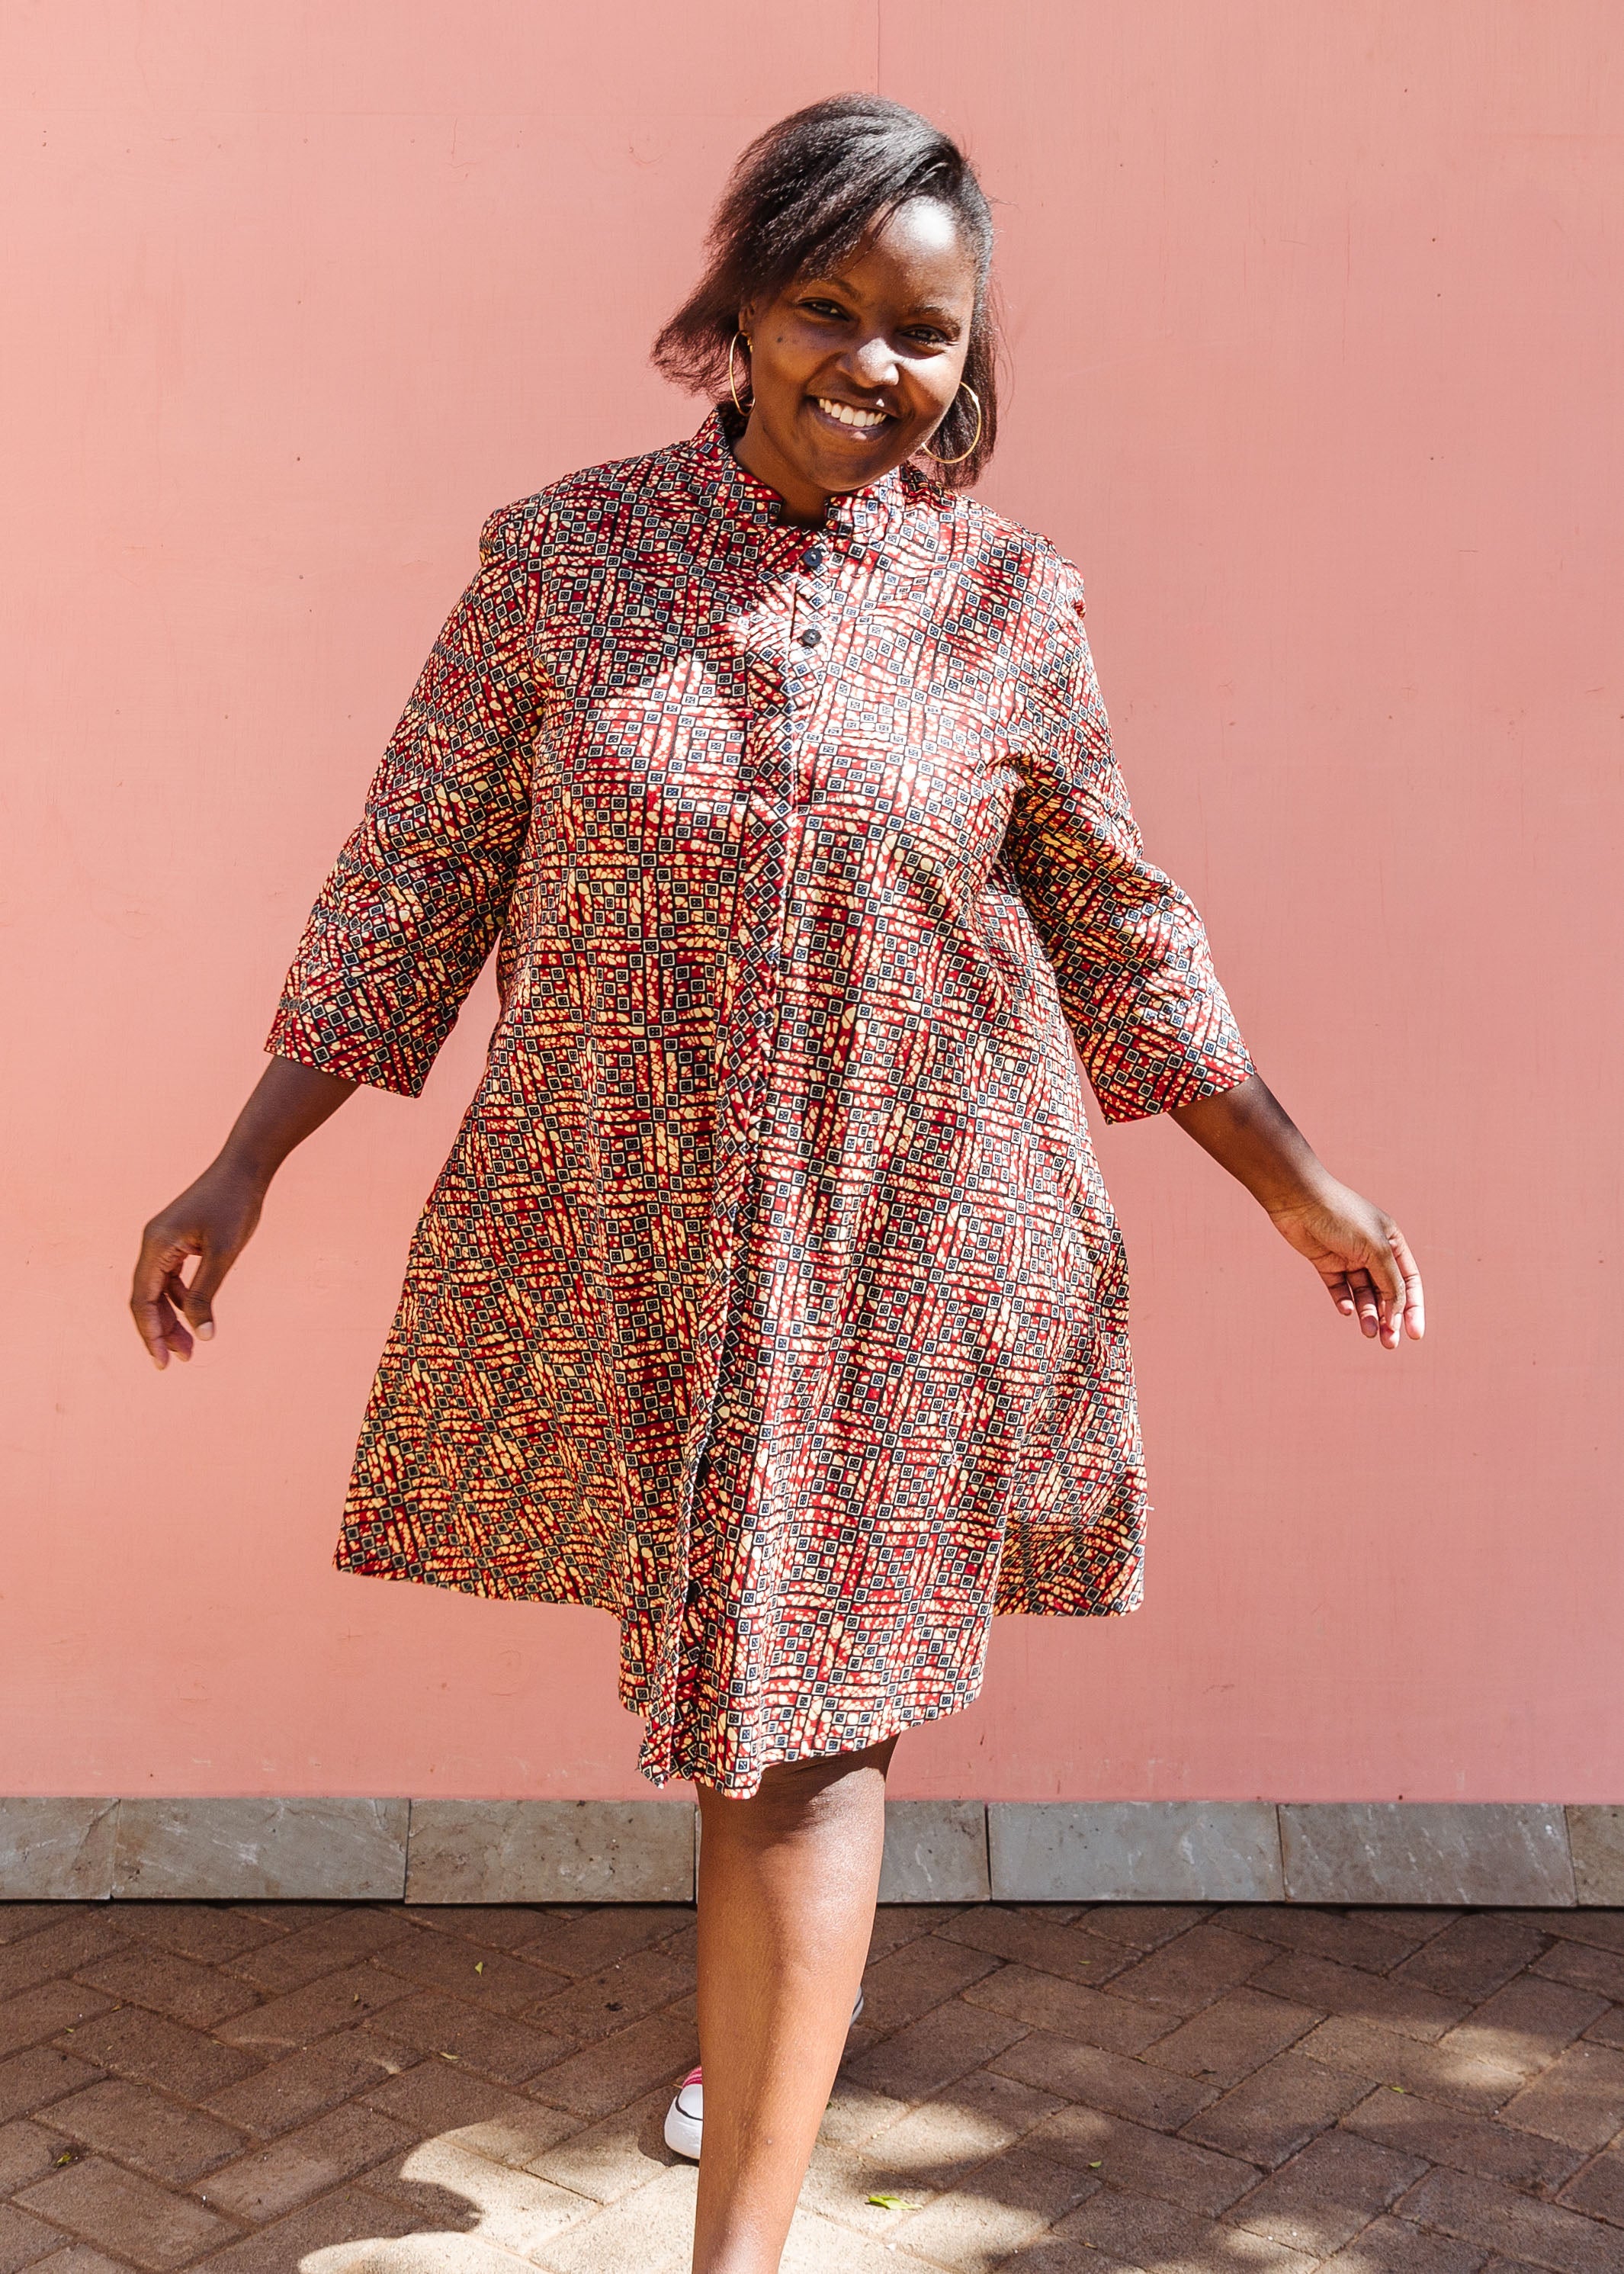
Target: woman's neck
point(804, 504)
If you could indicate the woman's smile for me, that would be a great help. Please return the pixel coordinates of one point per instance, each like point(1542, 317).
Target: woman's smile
point(849, 418)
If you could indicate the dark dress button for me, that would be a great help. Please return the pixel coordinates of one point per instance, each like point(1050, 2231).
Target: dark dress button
point(811, 638)
point(813, 560)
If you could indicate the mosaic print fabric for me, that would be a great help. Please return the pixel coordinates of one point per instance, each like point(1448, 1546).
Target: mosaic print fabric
point(770, 1298)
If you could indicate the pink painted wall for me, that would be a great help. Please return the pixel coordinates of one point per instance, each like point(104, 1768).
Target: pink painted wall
point(1316, 342)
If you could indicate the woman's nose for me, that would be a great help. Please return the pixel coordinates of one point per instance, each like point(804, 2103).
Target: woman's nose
point(872, 363)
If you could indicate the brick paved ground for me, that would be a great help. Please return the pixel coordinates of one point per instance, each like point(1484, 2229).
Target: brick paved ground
point(372, 2089)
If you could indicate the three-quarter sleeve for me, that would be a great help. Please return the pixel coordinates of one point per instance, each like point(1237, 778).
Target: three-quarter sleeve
point(404, 925)
point(1153, 1026)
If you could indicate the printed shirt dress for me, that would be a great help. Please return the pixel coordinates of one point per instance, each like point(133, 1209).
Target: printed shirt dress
point(770, 1298)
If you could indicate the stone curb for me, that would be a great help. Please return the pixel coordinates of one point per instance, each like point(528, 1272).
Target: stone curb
point(1527, 1853)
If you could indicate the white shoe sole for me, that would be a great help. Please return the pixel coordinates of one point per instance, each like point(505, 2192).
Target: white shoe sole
point(684, 2129)
point(685, 2124)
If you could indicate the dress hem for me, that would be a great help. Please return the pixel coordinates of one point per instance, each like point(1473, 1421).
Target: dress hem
point(743, 1786)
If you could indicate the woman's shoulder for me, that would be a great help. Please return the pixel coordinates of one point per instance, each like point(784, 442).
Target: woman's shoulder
point(1024, 590)
point(1028, 564)
point(590, 496)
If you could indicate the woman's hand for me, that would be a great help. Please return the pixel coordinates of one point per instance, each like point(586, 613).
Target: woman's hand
point(1363, 1258)
point(214, 1218)
point(1360, 1253)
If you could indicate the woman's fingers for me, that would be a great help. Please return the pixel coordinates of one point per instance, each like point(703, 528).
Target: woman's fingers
point(1383, 1292)
point(160, 1302)
point(1398, 1283)
point(1413, 1313)
point(176, 1340)
point(197, 1301)
point(151, 1305)
point(1366, 1305)
point(158, 1326)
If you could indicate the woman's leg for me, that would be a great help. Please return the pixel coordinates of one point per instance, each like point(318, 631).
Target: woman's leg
point(786, 1890)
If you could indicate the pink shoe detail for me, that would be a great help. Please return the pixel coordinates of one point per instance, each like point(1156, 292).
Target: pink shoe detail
point(685, 2119)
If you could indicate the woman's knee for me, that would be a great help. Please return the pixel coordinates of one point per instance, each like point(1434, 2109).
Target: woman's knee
point(795, 1795)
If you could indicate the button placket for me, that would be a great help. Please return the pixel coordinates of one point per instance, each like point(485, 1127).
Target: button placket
point(811, 581)
point(776, 780)
point(810, 632)
point(746, 1045)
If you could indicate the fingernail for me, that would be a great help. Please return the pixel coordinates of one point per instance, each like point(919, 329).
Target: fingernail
point(205, 1332)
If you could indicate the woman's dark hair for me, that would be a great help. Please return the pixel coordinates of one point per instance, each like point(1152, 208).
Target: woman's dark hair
point(801, 197)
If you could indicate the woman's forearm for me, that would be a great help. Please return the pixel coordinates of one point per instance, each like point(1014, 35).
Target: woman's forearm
point(1358, 1251)
point(288, 1103)
point(1250, 1133)
point(214, 1218)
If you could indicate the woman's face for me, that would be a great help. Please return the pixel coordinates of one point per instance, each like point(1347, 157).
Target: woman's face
point(852, 371)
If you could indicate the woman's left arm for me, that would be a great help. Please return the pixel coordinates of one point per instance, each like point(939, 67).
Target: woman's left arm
point(1358, 1251)
point(1153, 1026)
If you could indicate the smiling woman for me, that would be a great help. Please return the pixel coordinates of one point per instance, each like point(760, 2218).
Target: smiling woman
point(771, 1299)
point(849, 274)
point(852, 370)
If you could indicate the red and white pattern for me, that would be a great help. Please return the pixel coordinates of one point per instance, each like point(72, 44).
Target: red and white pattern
point(770, 1298)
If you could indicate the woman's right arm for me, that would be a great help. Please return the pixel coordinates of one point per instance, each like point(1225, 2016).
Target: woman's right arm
point(397, 936)
point(213, 1219)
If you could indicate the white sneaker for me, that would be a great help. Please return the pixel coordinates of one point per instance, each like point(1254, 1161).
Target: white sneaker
point(685, 2119)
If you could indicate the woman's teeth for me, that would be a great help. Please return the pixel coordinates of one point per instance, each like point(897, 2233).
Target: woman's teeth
point(848, 414)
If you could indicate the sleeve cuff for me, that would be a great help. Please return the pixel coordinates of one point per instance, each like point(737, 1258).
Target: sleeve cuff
point(1160, 1091)
point(377, 1061)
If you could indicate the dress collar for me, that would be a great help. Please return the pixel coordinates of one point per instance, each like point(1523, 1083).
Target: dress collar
point(876, 520)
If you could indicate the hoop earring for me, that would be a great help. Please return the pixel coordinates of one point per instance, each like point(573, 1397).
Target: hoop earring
point(975, 438)
point(732, 384)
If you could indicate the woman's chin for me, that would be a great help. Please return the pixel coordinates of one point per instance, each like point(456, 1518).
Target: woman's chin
point(838, 458)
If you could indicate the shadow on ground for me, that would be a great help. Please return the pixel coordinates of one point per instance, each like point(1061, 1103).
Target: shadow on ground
point(253, 2088)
